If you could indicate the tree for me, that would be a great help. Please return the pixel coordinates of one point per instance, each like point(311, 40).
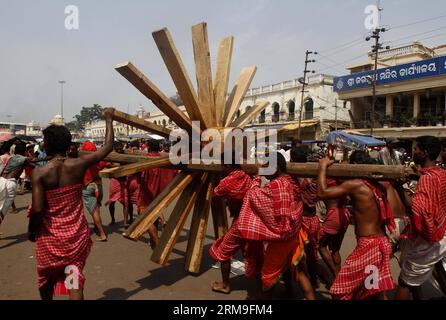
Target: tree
point(87, 114)
point(177, 100)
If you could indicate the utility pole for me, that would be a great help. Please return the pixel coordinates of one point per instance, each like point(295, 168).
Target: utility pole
point(304, 84)
point(376, 34)
point(62, 82)
point(336, 114)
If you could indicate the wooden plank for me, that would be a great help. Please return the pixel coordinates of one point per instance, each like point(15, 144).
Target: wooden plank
point(142, 124)
point(238, 94)
point(177, 70)
point(151, 91)
point(246, 118)
point(158, 205)
point(203, 73)
point(221, 78)
point(176, 221)
point(219, 217)
point(198, 227)
point(125, 158)
point(133, 168)
point(309, 170)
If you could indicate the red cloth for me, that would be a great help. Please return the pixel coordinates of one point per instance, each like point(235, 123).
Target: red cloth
point(225, 248)
point(429, 206)
point(312, 226)
point(383, 205)
point(234, 188)
point(92, 173)
point(153, 182)
point(309, 194)
point(350, 284)
point(117, 190)
point(336, 221)
point(133, 189)
point(64, 238)
point(273, 212)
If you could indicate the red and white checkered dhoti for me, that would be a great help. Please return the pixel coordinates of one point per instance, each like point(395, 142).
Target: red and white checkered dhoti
point(224, 249)
point(312, 226)
point(64, 238)
point(370, 259)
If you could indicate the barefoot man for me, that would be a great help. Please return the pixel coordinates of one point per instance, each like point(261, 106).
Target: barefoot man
point(426, 246)
point(57, 221)
point(233, 188)
point(366, 272)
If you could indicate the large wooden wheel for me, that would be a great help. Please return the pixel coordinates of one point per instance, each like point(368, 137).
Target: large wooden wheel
point(213, 108)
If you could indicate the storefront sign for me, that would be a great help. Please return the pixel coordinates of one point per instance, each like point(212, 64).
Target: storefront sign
point(404, 72)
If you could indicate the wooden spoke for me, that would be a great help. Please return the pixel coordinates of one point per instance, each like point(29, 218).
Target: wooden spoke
point(221, 78)
point(133, 168)
point(246, 118)
point(238, 93)
point(219, 217)
point(176, 220)
point(204, 74)
point(138, 123)
point(177, 70)
point(148, 89)
point(158, 205)
point(124, 158)
point(198, 227)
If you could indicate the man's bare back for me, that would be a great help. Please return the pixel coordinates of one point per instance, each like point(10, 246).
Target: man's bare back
point(366, 213)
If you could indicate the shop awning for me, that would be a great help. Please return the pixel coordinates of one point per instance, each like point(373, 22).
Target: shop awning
point(353, 141)
point(295, 126)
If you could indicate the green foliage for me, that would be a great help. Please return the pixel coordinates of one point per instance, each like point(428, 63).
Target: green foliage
point(87, 114)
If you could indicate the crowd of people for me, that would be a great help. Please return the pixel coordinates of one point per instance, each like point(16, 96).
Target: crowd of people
point(288, 228)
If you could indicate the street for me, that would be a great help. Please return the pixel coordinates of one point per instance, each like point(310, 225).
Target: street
point(121, 269)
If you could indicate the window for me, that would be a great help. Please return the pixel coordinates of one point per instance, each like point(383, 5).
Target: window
point(309, 106)
point(291, 110)
point(276, 112)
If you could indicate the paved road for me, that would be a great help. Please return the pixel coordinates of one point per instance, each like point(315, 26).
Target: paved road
point(122, 269)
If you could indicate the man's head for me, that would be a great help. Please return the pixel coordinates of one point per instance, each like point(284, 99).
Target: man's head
point(298, 155)
point(280, 165)
point(5, 148)
point(118, 147)
point(296, 143)
point(392, 143)
point(20, 149)
point(57, 139)
point(73, 151)
point(359, 157)
point(426, 148)
point(154, 145)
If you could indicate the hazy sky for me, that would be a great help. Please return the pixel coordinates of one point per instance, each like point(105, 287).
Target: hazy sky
point(36, 50)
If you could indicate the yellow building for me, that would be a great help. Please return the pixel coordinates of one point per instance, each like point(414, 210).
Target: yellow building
point(411, 92)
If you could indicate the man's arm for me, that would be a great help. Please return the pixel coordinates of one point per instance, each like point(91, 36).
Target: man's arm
point(92, 158)
point(323, 191)
point(37, 209)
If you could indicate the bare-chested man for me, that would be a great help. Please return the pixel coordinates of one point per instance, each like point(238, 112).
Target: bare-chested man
point(57, 221)
point(371, 257)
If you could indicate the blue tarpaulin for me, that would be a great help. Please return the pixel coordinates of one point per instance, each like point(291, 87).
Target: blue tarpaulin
point(353, 141)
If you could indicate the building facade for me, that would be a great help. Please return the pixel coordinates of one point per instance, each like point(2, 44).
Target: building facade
point(410, 91)
point(322, 111)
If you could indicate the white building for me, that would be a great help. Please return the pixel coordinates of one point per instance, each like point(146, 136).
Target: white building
point(33, 129)
point(322, 111)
